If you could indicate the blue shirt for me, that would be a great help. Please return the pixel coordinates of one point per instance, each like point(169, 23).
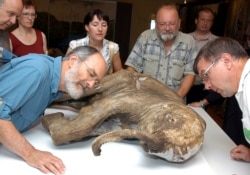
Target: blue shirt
point(28, 84)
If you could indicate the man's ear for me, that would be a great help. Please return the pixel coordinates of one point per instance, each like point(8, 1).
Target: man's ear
point(72, 60)
point(227, 60)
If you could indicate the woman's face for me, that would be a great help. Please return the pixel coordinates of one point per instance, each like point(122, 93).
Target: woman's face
point(97, 29)
point(27, 17)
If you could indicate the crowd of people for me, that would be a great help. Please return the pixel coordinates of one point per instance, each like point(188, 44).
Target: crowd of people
point(186, 62)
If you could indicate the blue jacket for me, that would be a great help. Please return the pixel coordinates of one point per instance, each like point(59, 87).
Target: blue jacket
point(28, 84)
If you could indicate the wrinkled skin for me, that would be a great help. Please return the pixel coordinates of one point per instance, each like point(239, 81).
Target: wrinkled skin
point(129, 105)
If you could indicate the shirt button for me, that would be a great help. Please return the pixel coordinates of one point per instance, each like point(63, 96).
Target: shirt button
point(1, 101)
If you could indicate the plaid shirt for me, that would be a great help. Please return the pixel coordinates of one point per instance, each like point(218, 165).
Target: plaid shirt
point(149, 57)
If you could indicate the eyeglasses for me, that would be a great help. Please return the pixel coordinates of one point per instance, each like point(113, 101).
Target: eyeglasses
point(27, 15)
point(92, 74)
point(204, 73)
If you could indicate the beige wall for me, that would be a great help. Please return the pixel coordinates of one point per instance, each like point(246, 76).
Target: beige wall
point(141, 12)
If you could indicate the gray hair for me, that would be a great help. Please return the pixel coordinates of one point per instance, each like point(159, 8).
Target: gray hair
point(170, 5)
point(83, 52)
point(213, 50)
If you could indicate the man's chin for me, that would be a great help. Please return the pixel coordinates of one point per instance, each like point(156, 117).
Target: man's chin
point(168, 38)
point(5, 27)
point(76, 96)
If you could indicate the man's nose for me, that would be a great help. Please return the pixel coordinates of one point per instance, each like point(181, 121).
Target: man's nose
point(13, 19)
point(91, 83)
point(207, 85)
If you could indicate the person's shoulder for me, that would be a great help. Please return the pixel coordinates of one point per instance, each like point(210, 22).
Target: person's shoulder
point(38, 31)
point(42, 64)
point(185, 37)
point(191, 33)
point(148, 32)
point(212, 36)
point(78, 42)
point(37, 61)
point(113, 43)
point(13, 32)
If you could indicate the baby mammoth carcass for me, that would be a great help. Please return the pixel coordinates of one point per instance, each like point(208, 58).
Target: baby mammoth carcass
point(133, 106)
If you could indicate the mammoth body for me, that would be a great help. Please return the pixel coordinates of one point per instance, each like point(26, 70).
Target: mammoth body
point(130, 105)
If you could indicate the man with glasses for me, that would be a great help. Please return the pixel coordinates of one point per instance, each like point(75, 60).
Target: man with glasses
point(165, 53)
point(224, 67)
point(210, 100)
point(29, 84)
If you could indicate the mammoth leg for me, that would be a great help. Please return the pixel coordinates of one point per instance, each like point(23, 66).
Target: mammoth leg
point(63, 130)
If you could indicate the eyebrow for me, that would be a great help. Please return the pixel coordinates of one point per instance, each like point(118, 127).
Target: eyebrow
point(92, 71)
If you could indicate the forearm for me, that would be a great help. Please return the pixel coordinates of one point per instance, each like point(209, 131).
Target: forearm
point(11, 138)
point(131, 69)
point(186, 85)
point(116, 61)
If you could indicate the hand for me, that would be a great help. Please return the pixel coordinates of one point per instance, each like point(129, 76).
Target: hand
point(241, 152)
point(46, 162)
point(195, 104)
point(41, 160)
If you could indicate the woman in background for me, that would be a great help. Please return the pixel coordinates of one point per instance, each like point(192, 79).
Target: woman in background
point(25, 39)
point(96, 24)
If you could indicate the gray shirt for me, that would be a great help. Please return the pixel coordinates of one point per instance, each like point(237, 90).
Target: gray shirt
point(200, 43)
point(149, 57)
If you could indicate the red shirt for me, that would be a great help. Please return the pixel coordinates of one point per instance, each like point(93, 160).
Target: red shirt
point(20, 49)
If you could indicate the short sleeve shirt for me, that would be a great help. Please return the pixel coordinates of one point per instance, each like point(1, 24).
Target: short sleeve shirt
point(200, 43)
point(243, 98)
point(104, 51)
point(148, 56)
point(28, 85)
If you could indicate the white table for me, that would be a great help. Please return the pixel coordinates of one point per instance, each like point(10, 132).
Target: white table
point(127, 157)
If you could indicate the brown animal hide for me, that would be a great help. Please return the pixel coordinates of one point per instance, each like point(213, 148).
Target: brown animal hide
point(130, 105)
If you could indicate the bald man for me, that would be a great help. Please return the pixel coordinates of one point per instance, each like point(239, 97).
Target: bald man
point(9, 11)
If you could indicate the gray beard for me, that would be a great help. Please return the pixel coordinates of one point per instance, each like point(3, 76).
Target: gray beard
point(167, 37)
point(71, 84)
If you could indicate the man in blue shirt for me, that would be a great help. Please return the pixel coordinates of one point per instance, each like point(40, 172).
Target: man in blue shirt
point(30, 83)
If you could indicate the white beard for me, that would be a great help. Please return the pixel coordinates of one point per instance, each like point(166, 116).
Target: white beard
point(72, 83)
point(166, 36)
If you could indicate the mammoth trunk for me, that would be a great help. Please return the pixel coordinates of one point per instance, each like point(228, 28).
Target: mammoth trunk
point(116, 136)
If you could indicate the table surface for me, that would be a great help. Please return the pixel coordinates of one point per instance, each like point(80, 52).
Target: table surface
point(128, 157)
